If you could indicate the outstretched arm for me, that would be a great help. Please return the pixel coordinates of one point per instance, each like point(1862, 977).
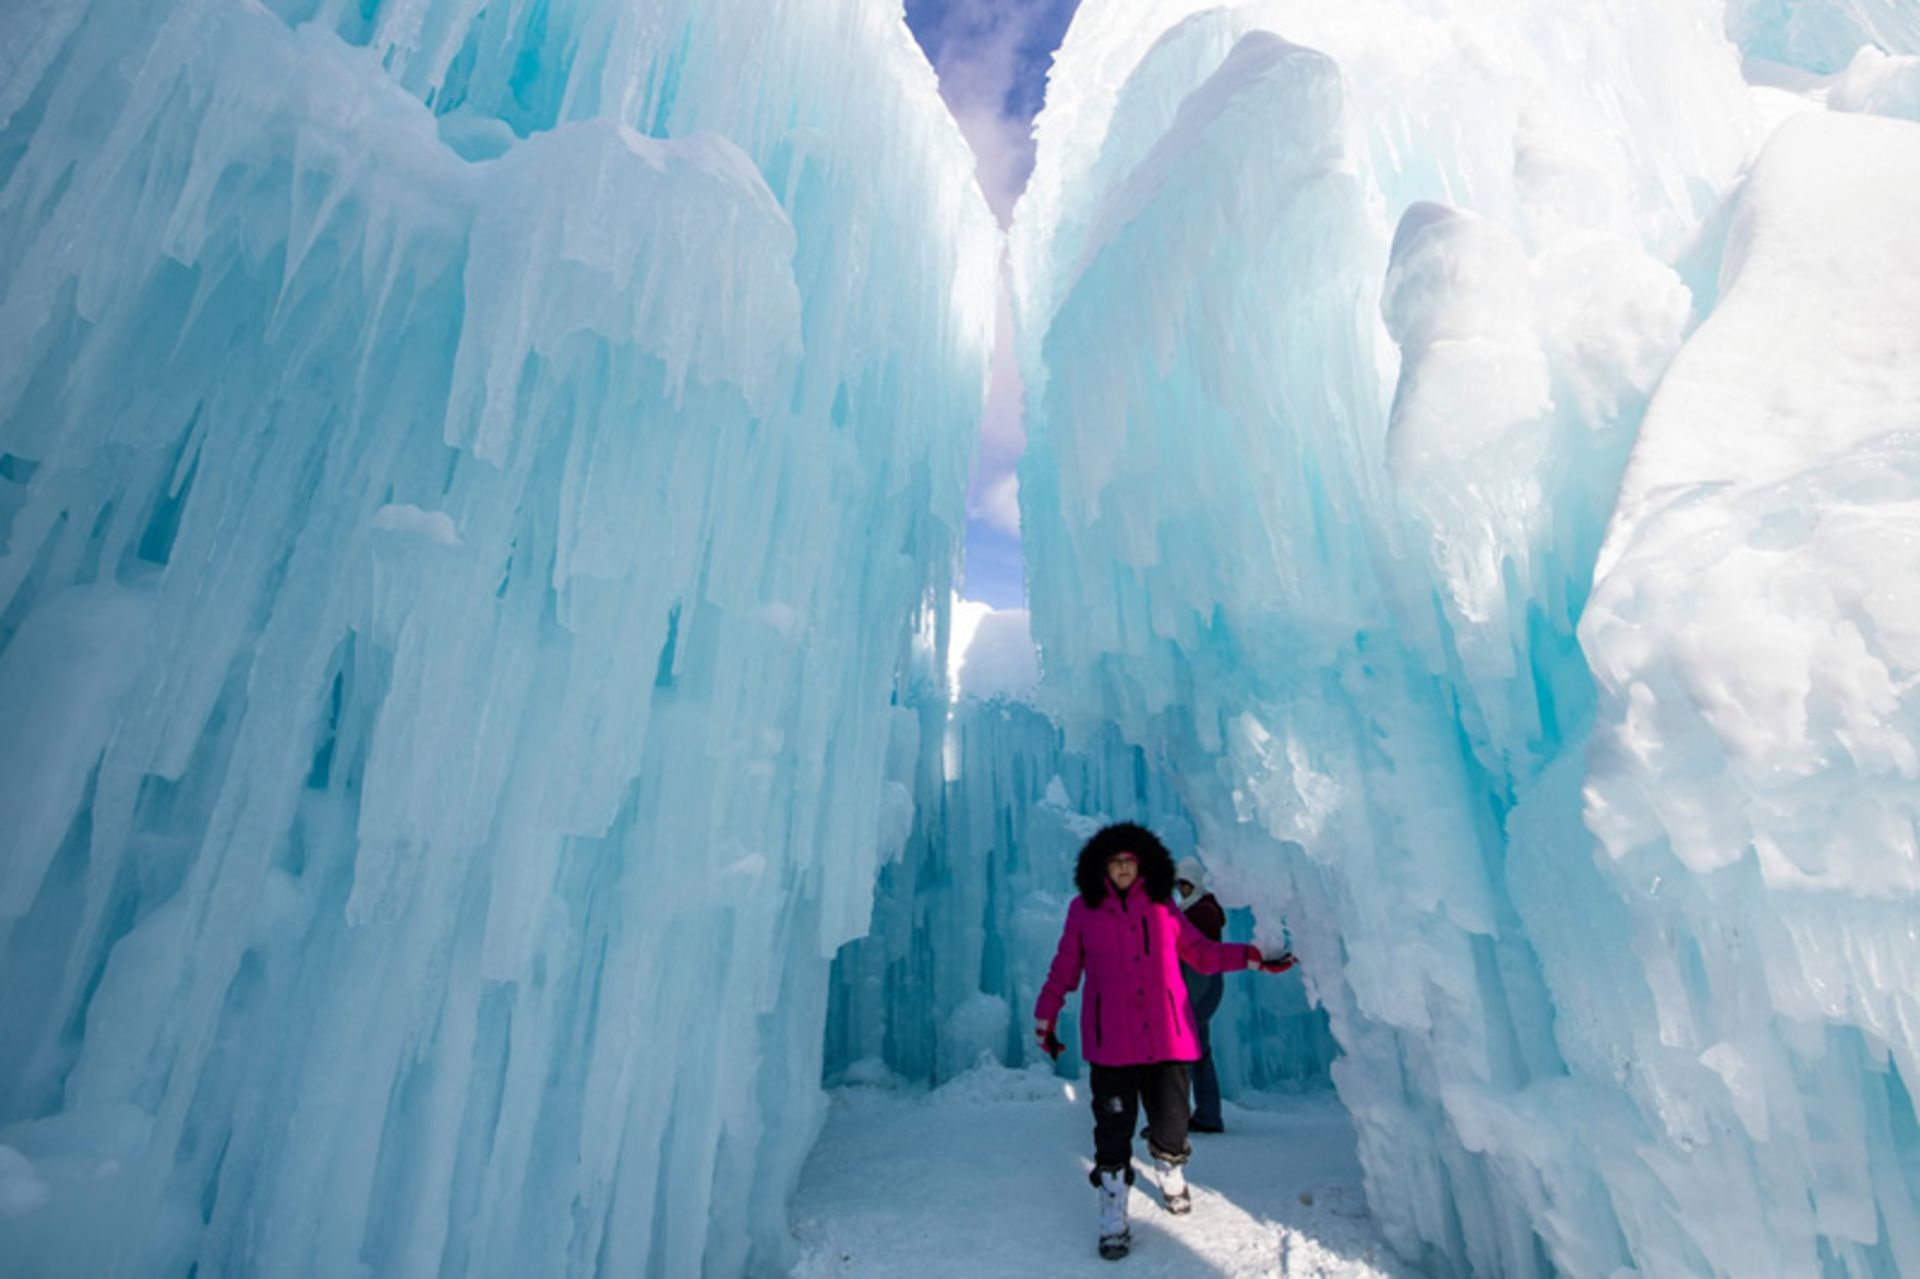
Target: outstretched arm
point(1205, 956)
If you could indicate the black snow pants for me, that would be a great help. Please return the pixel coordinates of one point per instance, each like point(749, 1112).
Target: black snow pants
point(1118, 1094)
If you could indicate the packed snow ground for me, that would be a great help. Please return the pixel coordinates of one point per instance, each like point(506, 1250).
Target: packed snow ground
point(987, 1175)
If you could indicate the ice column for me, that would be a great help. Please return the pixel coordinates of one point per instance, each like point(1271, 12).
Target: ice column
point(478, 488)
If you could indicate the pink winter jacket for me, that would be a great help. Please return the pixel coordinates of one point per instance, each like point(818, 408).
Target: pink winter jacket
point(1135, 1006)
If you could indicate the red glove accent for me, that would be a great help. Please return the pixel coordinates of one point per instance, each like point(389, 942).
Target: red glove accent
point(1049, 1042)
point(1280, 965)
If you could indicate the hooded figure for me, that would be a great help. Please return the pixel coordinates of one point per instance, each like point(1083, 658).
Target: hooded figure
point(1190, 890)
point(1204, 991)
point(1128, 939)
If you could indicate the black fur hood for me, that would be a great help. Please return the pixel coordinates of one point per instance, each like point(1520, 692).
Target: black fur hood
point(1156, 863)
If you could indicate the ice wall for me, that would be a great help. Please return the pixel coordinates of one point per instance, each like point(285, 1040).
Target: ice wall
point(1821, 35)
point(478, 488)
point(966, 921)
point(1755, 773)
point(1339, 325)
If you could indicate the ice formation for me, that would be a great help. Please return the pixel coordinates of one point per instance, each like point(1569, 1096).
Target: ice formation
point(1821, 35)
point(967, 920)
point(478, 490)
point(1493, 505)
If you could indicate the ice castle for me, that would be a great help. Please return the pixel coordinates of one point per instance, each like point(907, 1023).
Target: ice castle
point(481, 483)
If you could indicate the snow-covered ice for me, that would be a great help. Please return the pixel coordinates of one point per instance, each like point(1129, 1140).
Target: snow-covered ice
point(987, 1175)
point(1471, 452)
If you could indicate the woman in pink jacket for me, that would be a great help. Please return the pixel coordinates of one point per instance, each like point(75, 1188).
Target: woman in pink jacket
point(1137, 1030)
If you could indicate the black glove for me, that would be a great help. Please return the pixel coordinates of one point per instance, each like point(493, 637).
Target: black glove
point(1049, 1042)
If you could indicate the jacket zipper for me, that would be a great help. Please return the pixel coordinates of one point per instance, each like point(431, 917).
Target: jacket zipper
point(1096, 1021)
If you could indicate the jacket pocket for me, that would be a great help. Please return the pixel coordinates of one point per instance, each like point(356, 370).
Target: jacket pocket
point(1173, 1012)
point(1096, 1021)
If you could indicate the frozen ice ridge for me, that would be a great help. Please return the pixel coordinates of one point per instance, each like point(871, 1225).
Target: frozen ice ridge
point(476, 483)
point(1473, 451)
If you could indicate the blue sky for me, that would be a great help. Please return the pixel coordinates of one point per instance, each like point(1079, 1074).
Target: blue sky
point(992, 57)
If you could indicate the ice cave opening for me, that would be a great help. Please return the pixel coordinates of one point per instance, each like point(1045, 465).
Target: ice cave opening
point(480, 489)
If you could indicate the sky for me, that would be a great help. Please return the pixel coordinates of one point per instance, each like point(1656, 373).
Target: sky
point(992, 58)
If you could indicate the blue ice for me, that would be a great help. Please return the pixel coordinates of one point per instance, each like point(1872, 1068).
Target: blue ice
point(480, 491)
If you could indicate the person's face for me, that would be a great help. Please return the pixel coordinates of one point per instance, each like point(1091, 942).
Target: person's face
point(1183, 887)
point(1123, 871)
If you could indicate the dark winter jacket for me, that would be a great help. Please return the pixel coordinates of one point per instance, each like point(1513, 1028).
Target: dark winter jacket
point(1208, 917)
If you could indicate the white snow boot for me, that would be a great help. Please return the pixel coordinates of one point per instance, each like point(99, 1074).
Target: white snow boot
point(1113, 1184)
point(1173, 1187)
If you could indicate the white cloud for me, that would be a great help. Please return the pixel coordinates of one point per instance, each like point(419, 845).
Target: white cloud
point(966, 619)
point(991, 653)
point(1000, 504)
point(1002, 156)
point(1002, 433)
point(993, 497)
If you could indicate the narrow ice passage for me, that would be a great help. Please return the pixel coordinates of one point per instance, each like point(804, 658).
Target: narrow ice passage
point(480, 489)
point(1471, 457)
point(987, 1176)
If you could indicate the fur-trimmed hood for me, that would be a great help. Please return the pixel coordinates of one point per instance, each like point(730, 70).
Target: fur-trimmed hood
point(1156, 863)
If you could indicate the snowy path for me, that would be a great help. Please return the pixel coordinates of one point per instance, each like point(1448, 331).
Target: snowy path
point(987, 1176)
